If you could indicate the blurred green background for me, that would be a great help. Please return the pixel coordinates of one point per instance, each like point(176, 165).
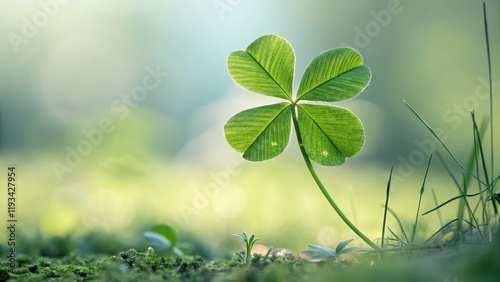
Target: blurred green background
point(67, 68)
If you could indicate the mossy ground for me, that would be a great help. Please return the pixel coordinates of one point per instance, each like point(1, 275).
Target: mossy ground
point(464, 262)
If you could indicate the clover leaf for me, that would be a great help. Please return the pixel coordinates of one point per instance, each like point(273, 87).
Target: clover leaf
point(164, 238)
point(318, 252)
point(329, 134)
point(266, 67)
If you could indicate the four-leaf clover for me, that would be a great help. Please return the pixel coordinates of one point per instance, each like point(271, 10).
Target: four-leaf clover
point(329, 134)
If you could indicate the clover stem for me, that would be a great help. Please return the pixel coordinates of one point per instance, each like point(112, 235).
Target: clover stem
point(322, 187)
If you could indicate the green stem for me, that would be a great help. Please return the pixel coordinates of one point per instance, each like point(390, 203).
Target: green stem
point(322, 187)
point(248, 256)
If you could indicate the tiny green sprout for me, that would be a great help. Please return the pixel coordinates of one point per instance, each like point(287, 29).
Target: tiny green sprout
point(326, 134)
point(318, 252)
point(164, 238)
point(249, 242)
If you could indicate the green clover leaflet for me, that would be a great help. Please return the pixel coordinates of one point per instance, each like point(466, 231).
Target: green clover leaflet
point(329, 134)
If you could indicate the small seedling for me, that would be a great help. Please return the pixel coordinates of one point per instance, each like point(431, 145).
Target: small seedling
point(326, 134)
point(249, 242)
point(318, 252)
point(164, 238)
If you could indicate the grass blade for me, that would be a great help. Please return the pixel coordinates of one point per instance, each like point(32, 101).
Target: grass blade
point(491, 88)
point(440, 218)
point(483, 161)
point(470, 167)
point(399, 223)
point(461, 193)
point(449, 201)
point(482, 201)
point(397, 237)
point(441, 141)
point(441, 229)
point(420, 201)
point(386, 206)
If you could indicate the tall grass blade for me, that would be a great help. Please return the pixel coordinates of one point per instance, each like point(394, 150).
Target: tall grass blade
point(420, 201)
point(470, 167)
point(482, 202)
point(483, 161)
point(386, 206)
point(491, 89)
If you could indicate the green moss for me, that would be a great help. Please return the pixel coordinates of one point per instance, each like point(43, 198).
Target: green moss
point(4, 274)
point(478, 263)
